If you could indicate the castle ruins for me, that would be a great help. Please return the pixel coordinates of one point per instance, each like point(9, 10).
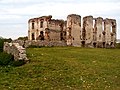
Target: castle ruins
point(88, 32)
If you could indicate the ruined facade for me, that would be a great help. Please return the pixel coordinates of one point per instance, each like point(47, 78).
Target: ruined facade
point(86, 32)
point(45, 28)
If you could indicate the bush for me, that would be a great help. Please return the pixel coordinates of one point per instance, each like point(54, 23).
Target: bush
point(2, 40)
point(1, 44)
point(118, 45)
point(6, 59)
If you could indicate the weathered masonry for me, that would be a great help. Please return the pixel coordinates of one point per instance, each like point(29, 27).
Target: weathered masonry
point(16, 50)
point(45, 28)
point(86, 32)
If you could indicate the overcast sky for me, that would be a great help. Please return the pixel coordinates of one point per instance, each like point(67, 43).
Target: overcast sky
point(14, 14)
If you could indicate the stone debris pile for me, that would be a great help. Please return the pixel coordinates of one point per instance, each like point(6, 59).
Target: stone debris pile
point(16, 50)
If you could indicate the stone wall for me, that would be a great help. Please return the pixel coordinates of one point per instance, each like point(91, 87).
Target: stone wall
point(28, 43)
point(98, 32)
point(46, 27)
point(88, 29)
point(74, 30)
point(16, 50)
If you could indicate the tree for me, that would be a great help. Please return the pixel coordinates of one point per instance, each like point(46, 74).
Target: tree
point(23, 38)
point(1, 44)
point(2, 40)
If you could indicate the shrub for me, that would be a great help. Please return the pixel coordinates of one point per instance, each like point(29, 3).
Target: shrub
point(6, 59)
point(23, 38)
point(2, 40)
point(118, 45)
point(1, 44)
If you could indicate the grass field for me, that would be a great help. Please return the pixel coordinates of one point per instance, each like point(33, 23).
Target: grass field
point(64, 68)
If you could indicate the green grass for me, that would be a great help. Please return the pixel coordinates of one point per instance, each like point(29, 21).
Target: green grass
point(64, 68)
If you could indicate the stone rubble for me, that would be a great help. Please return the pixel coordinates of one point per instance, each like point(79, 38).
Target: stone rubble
point(16, 50)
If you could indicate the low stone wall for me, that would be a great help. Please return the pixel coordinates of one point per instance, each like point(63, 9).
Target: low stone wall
point(17, 47)
point(16, 50)
point(21, 42)
point(45, 43)
point(28, 43)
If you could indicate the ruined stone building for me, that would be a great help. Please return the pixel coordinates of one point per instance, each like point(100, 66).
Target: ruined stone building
point(88, 32)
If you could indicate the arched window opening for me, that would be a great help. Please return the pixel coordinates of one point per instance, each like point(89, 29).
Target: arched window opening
point(33, 36)
point(33, 25)
point(41, 35)
point(41, 24)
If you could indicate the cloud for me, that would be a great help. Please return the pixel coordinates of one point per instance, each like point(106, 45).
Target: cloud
point(9, 17)
point(13, 30)
point(56, 1)
point(57, 9)
point(19, 11)
point(15, 1)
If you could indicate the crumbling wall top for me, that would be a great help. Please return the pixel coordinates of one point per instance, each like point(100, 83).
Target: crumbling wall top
point(56, 21)
point(40, 18)
point(107, 21)
point(98, 18)
point(87, 17)
point(73, 15)
point(33, 20)
point(45, 17)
